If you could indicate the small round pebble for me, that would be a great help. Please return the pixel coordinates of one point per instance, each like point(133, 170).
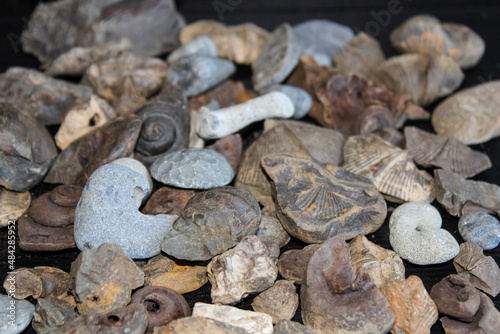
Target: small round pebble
point(193, 168)
point(15, 314)
point(481, 229)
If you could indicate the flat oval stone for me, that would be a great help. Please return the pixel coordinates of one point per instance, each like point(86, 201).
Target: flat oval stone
point(15, 314)
point(193, 168)
point(481, 229)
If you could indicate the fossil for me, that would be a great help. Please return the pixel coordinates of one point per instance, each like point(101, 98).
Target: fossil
point(292, 264)
point(13, 204)
point(226, 94)
point(167, 200)
point(231, 147)
point(38, 282)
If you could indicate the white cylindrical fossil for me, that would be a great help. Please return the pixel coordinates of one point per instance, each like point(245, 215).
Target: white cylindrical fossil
point(220, 123)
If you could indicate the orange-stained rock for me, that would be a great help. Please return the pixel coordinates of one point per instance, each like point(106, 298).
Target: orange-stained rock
point(415, 311)
point(182, 279)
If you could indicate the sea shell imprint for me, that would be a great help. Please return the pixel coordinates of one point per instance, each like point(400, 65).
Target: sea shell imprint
point(336, 300)
point(197, 73)
point(315, 202)
point(427, 35)
point(12, 205)
point(471, 115)
point(278, 57)
point(460, 196)
point(414, 309)
point(482, 271)
point(391, 169)
point(44, 98)
point(26, 150)
point(220, 123)
point(76, 60)
point(201, 45)
point(382, 265)
point(445, 152)
point(424, 77)
point(152, 27)
point(415, 233)
point(127, 80)
point(115, 139)
point(241, 43)
point(313, 138)
point(82, 119)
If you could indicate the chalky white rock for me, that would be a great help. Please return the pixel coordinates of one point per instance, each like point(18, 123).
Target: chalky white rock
point(416, 235)
point(211, 124)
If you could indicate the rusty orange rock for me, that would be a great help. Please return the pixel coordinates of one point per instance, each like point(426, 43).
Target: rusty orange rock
point(182, 279)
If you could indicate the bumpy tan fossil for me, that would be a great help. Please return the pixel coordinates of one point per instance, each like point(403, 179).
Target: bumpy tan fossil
point(315, 202)
point(13, 204)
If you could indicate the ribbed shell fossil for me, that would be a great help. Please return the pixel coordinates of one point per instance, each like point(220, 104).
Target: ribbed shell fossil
point(241, 43)
point(315, 202)
point(471, 115)
point(428, 150)
point(426, 34)
point(278, 57)
point(12, 205)
point(127, 80)
point(26, 149)
point(116, 139)
point(391, 169)
point(424, 77)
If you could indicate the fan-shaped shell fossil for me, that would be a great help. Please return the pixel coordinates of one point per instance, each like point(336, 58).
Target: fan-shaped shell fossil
point(278, 57)
point(196, 73)
point(82, 119)
point(127, 80)
point(315, 202)
point(471, 115)
point(445, 152)
point(115, 139)
point(26, 149)
point(12, 205)
point(165, 125)
point(426, 34)
point(425, 78)
point(391, 169)
point(241, 43)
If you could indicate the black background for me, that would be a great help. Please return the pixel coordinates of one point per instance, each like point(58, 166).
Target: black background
point(483, 16)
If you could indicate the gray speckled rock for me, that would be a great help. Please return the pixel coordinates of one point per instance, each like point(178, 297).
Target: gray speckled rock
point(201, 45)
point(291, 327)
point(193, 168)
point(481, 229)
point(416, 235)
point(15, 315)
point(108, 211)
point(301, 100)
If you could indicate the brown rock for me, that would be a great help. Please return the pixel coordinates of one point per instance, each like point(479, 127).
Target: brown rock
point(103, 279)
point(336, 300)
point(38, 282)
point(456, 297)
point(279, 301)
point(182, 279)
point(381, 264)
point(226, 94)
point(167, 200)
point(292, 264)
point(315, 202)
point(482, 271)
point(413, 307)
point(271, 231)
point(13, 205)
point(163, 305)
point(231, 147)
point(291, 327)
point(48, 224)
point(51, 314)
point(198, 325)
point(157, 264)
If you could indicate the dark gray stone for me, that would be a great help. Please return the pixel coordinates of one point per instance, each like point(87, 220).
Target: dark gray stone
point(481, 229)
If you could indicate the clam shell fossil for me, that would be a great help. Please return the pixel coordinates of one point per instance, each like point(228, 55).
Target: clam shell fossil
point(424, 77)
point(278, 57)
point(12, 205)
point(389, 167)
point(472, 115)
point(444, 152)
point(427, 35)
point(241, 43)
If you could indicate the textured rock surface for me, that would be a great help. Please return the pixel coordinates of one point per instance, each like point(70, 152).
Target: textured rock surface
point(414, 309)
point(292, 264)
point(301, 100)
point(231, 147)
point(250, 322)
point(416, 235)
point(336, 300)
point(198, 325)
point(102, 279)
point(482, 271)
point(167, 200)
point(108, 211)
point(15, 314)
point(38, 282)
point(315, 202)
point(193, 168)
point(291, 327)
point(212, 222)
point(481, 229)
point(51, 314)
point(182, 279)
point(201, 45)
point(271, 230)
point(243, 270)
point(13, 205)
point(279, 301)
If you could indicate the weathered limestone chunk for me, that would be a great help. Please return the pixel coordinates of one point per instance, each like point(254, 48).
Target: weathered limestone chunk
point(279, 301)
